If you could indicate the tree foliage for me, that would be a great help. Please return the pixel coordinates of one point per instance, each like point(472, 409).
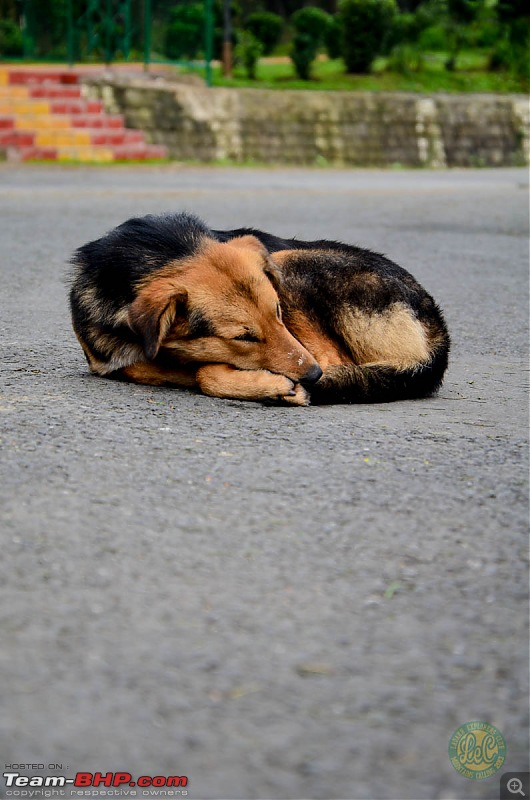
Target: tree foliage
point(358, 31)
point(11, 43)
point(311, 25)
point(266, 27)
point(248, 51)
point(366, 27)
point(185, 32)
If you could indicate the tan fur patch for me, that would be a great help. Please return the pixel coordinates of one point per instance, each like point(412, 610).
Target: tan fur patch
point(280, 256)
point(394, 336)
point(88, 299)
point(322, 348)
point(221, 380)
point(226, 284)
point(153, 375)
point(121, 353)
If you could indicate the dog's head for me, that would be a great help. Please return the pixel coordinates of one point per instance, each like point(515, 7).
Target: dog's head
point(220, 306)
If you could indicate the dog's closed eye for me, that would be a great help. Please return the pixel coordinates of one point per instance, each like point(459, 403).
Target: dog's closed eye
point(248, 336)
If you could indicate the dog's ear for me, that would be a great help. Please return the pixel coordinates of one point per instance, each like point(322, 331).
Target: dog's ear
point(249, 242)
point(273, 272)
point(270, 268)
point(154, 311)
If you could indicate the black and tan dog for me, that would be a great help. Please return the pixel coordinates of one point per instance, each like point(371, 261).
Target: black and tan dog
point(164, 300)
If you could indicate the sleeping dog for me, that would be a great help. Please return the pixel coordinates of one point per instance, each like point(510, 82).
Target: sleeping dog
point(164, 300)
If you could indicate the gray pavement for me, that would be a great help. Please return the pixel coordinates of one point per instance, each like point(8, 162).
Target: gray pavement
point(275, 602)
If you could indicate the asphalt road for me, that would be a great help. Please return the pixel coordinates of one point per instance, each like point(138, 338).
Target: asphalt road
point(274, 602)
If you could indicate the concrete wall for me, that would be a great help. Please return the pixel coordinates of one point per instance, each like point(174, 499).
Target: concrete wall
point(335, 128)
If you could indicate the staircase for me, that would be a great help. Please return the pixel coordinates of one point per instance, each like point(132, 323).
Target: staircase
point(45, 117)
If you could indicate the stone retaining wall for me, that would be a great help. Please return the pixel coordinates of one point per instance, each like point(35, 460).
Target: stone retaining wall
point(335, 128)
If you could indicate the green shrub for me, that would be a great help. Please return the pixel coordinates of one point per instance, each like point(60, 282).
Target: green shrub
point(266, 27)
point(402, 42)
point(311, 25)
point(405, 30)
point(185, 32)
point(514, 17)
point(248, 52)
point(511, 51)
point(333, 38)
point(486, 34)
point(501, 56)
point(312, 21)
point(433, 38)
point(405, 59)
point(11, 43)
point(461, 15)
point(366, 26)
point(303, 53)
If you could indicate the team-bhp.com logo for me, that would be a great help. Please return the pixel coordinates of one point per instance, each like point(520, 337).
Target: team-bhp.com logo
point(108, 784)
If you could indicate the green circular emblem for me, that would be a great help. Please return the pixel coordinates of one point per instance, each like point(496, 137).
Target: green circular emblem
point(477, 750)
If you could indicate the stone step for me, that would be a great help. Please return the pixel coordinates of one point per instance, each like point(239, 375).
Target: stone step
point(27, 76)
point(95, 154)
point(34, 122)
point(68, 137)
point(54, 90)
point(44, 116)
point(45, 121)
point(20, 105)
point(42, 91)
point(15, 138)
point(114, 121)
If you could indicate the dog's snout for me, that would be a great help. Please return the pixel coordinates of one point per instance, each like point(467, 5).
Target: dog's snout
point(312, 376)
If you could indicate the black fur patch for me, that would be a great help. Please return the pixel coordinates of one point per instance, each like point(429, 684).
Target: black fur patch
point(199, 325)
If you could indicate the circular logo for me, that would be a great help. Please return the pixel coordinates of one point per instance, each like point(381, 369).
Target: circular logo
point(477, 750)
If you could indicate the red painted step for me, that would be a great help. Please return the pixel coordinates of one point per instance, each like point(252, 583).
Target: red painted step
point(31, 154)
point(54, 90)
point(7, 123)
point(32, 76)
point(121, 153)
point(114, 121)
point(16, 138)
point(76, 106)
point(124, 136)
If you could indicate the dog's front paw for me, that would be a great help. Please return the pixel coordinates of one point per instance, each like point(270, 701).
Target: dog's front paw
point(284, 390)
point(297, 396)
point(274, 388)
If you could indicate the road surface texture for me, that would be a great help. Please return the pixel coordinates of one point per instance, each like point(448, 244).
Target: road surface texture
point(274, 602)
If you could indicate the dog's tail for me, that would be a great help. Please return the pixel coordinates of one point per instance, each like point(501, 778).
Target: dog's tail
point(383, 383)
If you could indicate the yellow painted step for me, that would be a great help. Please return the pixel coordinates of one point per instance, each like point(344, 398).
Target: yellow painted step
point(32, 122)
point(85, 154)
point(4, 77)
point(13, 91)
point(20, 106)
point(61, 138)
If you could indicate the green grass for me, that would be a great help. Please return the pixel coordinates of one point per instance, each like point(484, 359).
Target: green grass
point(471, 76)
